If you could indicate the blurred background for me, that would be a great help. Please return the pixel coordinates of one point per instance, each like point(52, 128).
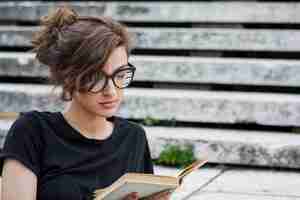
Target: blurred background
point(219, 79)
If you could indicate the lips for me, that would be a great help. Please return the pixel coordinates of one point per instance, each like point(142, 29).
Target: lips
point(109, 104)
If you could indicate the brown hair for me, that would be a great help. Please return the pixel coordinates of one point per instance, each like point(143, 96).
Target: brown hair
point(74, 47)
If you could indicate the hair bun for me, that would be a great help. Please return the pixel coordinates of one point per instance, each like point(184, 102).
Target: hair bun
point(60, 17)
point(45, 41)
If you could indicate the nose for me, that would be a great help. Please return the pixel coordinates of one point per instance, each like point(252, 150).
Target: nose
point(110, 89)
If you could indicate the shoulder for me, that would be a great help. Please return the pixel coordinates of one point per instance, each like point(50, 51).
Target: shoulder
point(132, 127)
point(24, 119)
point(34, 116)
point(26, 122)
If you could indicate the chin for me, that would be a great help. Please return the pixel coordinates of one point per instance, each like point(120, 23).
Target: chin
point(107, 113)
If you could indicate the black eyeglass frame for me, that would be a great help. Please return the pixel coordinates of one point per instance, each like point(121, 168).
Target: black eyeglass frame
point(107, 77)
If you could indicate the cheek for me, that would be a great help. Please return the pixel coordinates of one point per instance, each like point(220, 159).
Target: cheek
point(90, 99)
point(85, 99)
point(120, 94)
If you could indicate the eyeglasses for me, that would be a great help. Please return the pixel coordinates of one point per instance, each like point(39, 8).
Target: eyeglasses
point(121, 78)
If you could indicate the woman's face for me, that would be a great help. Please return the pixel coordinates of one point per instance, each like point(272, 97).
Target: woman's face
point(106, 102)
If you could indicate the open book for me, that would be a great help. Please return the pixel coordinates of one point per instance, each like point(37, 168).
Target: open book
point(145, 184)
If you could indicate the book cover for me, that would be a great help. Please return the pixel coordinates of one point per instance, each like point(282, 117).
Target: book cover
point(145, 184)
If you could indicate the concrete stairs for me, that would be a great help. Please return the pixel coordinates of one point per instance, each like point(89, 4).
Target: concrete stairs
point(227, 71)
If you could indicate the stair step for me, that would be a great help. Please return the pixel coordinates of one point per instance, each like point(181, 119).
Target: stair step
point(253, 12)
point(222, 146)
point(251, 148)
point(236, 183)
point(184, 38)
point(255, 184)
point(168, 104)
point(179, 69)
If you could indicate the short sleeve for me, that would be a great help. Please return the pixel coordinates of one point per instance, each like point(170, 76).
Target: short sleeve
point(22, 143)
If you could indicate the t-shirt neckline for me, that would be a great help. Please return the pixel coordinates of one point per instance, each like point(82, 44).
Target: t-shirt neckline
point(77, 134)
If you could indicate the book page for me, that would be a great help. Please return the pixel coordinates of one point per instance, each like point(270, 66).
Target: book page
point(143, 189)
point(187, 170)
point(144, 184)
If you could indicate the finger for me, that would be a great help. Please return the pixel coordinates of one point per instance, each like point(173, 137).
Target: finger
point(134, 196)
point(127, 197)
point(131, 196)
point(161, 195)
point(164, 193)
point(167, 195)
point(164, 196)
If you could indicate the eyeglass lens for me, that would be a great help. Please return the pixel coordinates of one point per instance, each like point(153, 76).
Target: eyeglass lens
point(121, 79)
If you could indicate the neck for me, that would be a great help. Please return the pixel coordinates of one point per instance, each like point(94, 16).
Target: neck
point(87, 123)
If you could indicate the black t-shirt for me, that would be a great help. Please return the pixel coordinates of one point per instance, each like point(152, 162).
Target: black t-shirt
point(69, 165)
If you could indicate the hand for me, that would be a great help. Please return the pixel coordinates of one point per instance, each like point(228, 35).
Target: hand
point(165, 195)
point(131, 196)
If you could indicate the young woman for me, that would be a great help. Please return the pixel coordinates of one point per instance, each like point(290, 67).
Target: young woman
point(69, 154)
